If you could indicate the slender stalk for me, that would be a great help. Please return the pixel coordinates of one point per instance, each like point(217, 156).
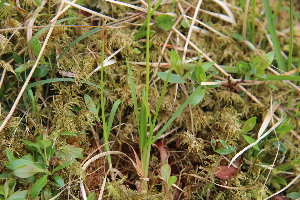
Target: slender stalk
point(105, 131)
point(145, 148)
point(291, 46)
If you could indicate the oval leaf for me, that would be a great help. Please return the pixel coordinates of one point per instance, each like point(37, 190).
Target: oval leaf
point(249, 125)
point(165, 21)
point(174, 78)
point(198, 97)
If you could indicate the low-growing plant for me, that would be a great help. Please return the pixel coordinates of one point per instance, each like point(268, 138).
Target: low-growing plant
point(38, 167)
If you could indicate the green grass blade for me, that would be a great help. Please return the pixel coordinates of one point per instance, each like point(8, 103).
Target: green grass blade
point(55, 80)
point(281, 78)
point(112, 114)
point(272, 30)
point(7, 10)
point(143, 122)
point(91, 32)
point(177, 113)
point(43, 30)
point(133, 93)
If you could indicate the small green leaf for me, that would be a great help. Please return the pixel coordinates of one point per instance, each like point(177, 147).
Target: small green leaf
point(294, 195)
point(172, 180)
point(41, 71)
point(250, 140)
point(176, 62)
point(288, 166)
point(174, 78)
point(17, 58)
point(279, 180)
point(90, 104)
point(61, 166)
point(224, 151)
point(165, 171)
point(198, 97)
point(223, 143)
point(249, 125)
point(165, 21)
point(24, 66)
point(38, 2)
point(284, 128)
point(38, 186)
point(185, 24)
point(59, 182)
point(91, 196)
point(36, 46)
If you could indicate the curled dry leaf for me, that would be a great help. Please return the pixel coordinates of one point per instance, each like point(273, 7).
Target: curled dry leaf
point(225, 172)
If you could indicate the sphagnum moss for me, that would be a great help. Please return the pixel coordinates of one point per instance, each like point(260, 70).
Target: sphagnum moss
point(220, 115)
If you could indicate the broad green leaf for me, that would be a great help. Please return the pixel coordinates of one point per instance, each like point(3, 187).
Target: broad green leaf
point(13, 165)
point(279, 180)
point(19, 195)
point(165, 21)
point(45, 143)
point(38, 186)
point(288, 166)
point(197, 97)
point(90, 104)
point(284, 128)
point(250, 140)
point(165, 171)
point(174, 78)
point(224, 151)
point(69, 152)
point(249, 125)
point(33, 146)
point(294, 195)
point(58, 180)
point(61, 166)
point(27, 171)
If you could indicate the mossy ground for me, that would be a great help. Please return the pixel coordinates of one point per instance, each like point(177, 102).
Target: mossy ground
point(58, 107)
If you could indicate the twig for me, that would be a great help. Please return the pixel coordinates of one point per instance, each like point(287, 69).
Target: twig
point(190, 29)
